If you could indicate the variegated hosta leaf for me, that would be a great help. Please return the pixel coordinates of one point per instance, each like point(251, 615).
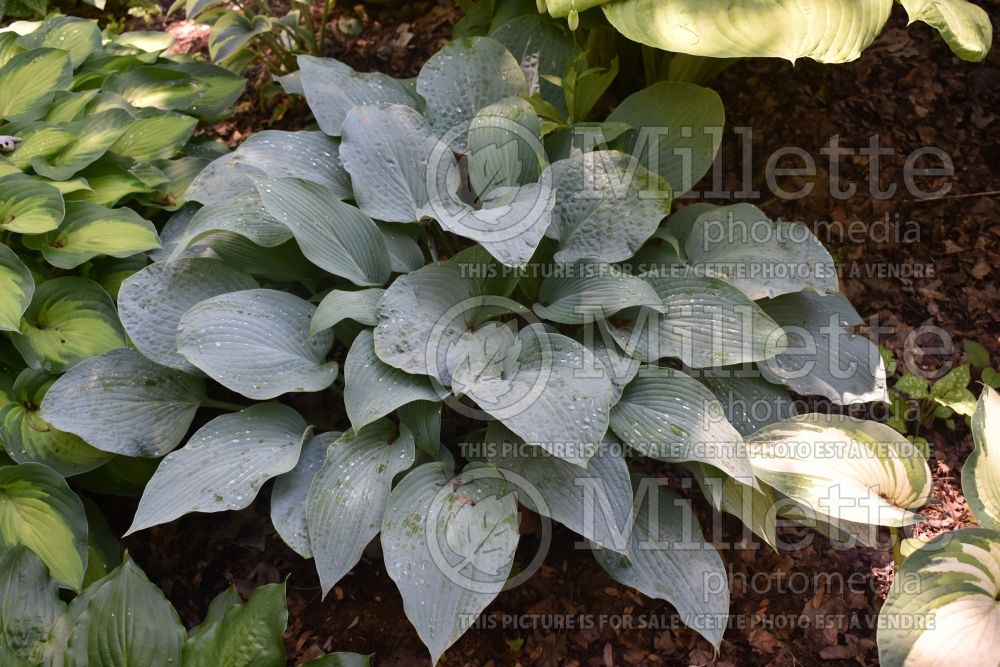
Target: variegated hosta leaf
point(756, 507)
point(843, 469)
point(311, 156)
point(588, 291)
point(257, 343)
point(702, 321)
point(29, 604)
point(92, 136)
point(607, 205)
point(80, 37)
point(338, 305)
point(290, 494)
point(90, 230)
point(669, 416)
point(223, 465)
point(965, 26)
point(981, 473)
point(28, 80)
point(742, 246)
point(449, 545)
point(16, 288)
point(666, 560)
point(154, 137)
point(823, 356)
point(830, 31)
point(944, 604)
point(29, 205)
point(125, 404)
point(332, 89)
point(348, 495)
point(749, 403)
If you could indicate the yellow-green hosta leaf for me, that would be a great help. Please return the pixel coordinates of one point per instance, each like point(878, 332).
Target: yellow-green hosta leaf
point(69, 319)
point(39, 142)
point(92, 136)
point(16, 288)
point(80, 37)
point(155, 86)
point(944, 604)
point(829, 31)
point(155, 137)
point(981, 474)
point(29, 205)
point(90, 230)
point(964, 26)
point(845, 470)
point(28, 80)
point(38, 510)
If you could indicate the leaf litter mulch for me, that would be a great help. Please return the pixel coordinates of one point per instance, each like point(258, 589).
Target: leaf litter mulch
point(813, 605)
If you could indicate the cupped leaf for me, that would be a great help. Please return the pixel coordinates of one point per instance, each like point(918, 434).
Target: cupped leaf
point(247, 635)
point(90, 230)
point(504, 148)
point(40, 511)
point(152, 302)
point(981, 472)
point(257, 343)
point(964, 26)
point(290, 494)
point(69, 319)
point(587, 291)
point(29, 604)
point(338, 305)
point(123, 403)
point(223, 465)
point(28, 80)
point(348, 495)
point(16, 289)
point(29, 205)
point(243, 214)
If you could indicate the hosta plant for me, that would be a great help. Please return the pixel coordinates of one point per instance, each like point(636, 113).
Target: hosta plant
point(423, 318)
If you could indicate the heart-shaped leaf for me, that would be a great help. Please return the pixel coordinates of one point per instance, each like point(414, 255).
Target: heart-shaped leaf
point(90, 230)
point(29, 205)
point(16, 289)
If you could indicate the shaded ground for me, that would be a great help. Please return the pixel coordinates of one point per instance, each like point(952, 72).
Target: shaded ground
point(810, 606)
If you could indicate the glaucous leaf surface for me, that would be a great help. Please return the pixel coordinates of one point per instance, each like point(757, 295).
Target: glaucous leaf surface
point(590, 291)
point(243, 213)
point(339, 305)
point(290, 494)
point(749, 402)
point(29, 604)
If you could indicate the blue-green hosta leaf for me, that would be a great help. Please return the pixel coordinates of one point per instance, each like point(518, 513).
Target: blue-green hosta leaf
point(80, 37)
point(543, 48)
point(69, 319)
point(676, 130)
point(311, 156)
point(607, 206)
point(153, 137)
point(247, 635)
point(405, 254)
point(90, 230)
point(822, 355)
point(290, 494)
point(981, 472)
point(16, 288)
point(223, 465)
point(449, 546)
point(540, 385)
point(242, 214)
point(467, 75)
point(830, 31)
point(29, 604)
point(842, 468)
point(619, 367)
point(668, 561)
point(338, 305)
point(423, 419)
point(963, 25)
point(373, 389)
point(152, 302)
point(257, 343)
point(231, 32)
point(742, 246)
point(122, 620)
point(669, 416)
point(590, 291)
point(123, 403)
point(332, 89)
point(28, 80)
point(348, 495)
point(749, 403)
point(29, 205)
point(335, 236)
point(93, 135)
point(28, 438)
point(504, 148)
point(39, 510)
point(703, 321)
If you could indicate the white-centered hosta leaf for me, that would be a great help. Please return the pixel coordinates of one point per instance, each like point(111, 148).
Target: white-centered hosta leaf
point(243, 213)
point(290, 494)
point(742, 246)
point(348, 495)
point(335, 236)
point(69, 319)
point(29, 604)
point(607, 206)
point(92, 135)
point(223, 465)
point(667, 560)
point(332, 89)
point(749, 402)
point(28, 80)
point(449, 546)
point(90, 230)
point(830, 31)
point(944, 605)
point(40, 511)
point(29, 205)
point(311, 156)
point(245, 634)
point(590, 291)
point(981, 472)
point(152, 302)
point(338, 305)
point(16, 288)
point(123, 403)
point(752, 503)
point(467, 75)
point(843, 468)
point(964, 25)
point(669, 416)
point(822, 355)
point(373, 388)
point(257, 343)
point(676, 130)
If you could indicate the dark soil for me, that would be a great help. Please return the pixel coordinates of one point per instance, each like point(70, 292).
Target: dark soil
point(810, 606)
